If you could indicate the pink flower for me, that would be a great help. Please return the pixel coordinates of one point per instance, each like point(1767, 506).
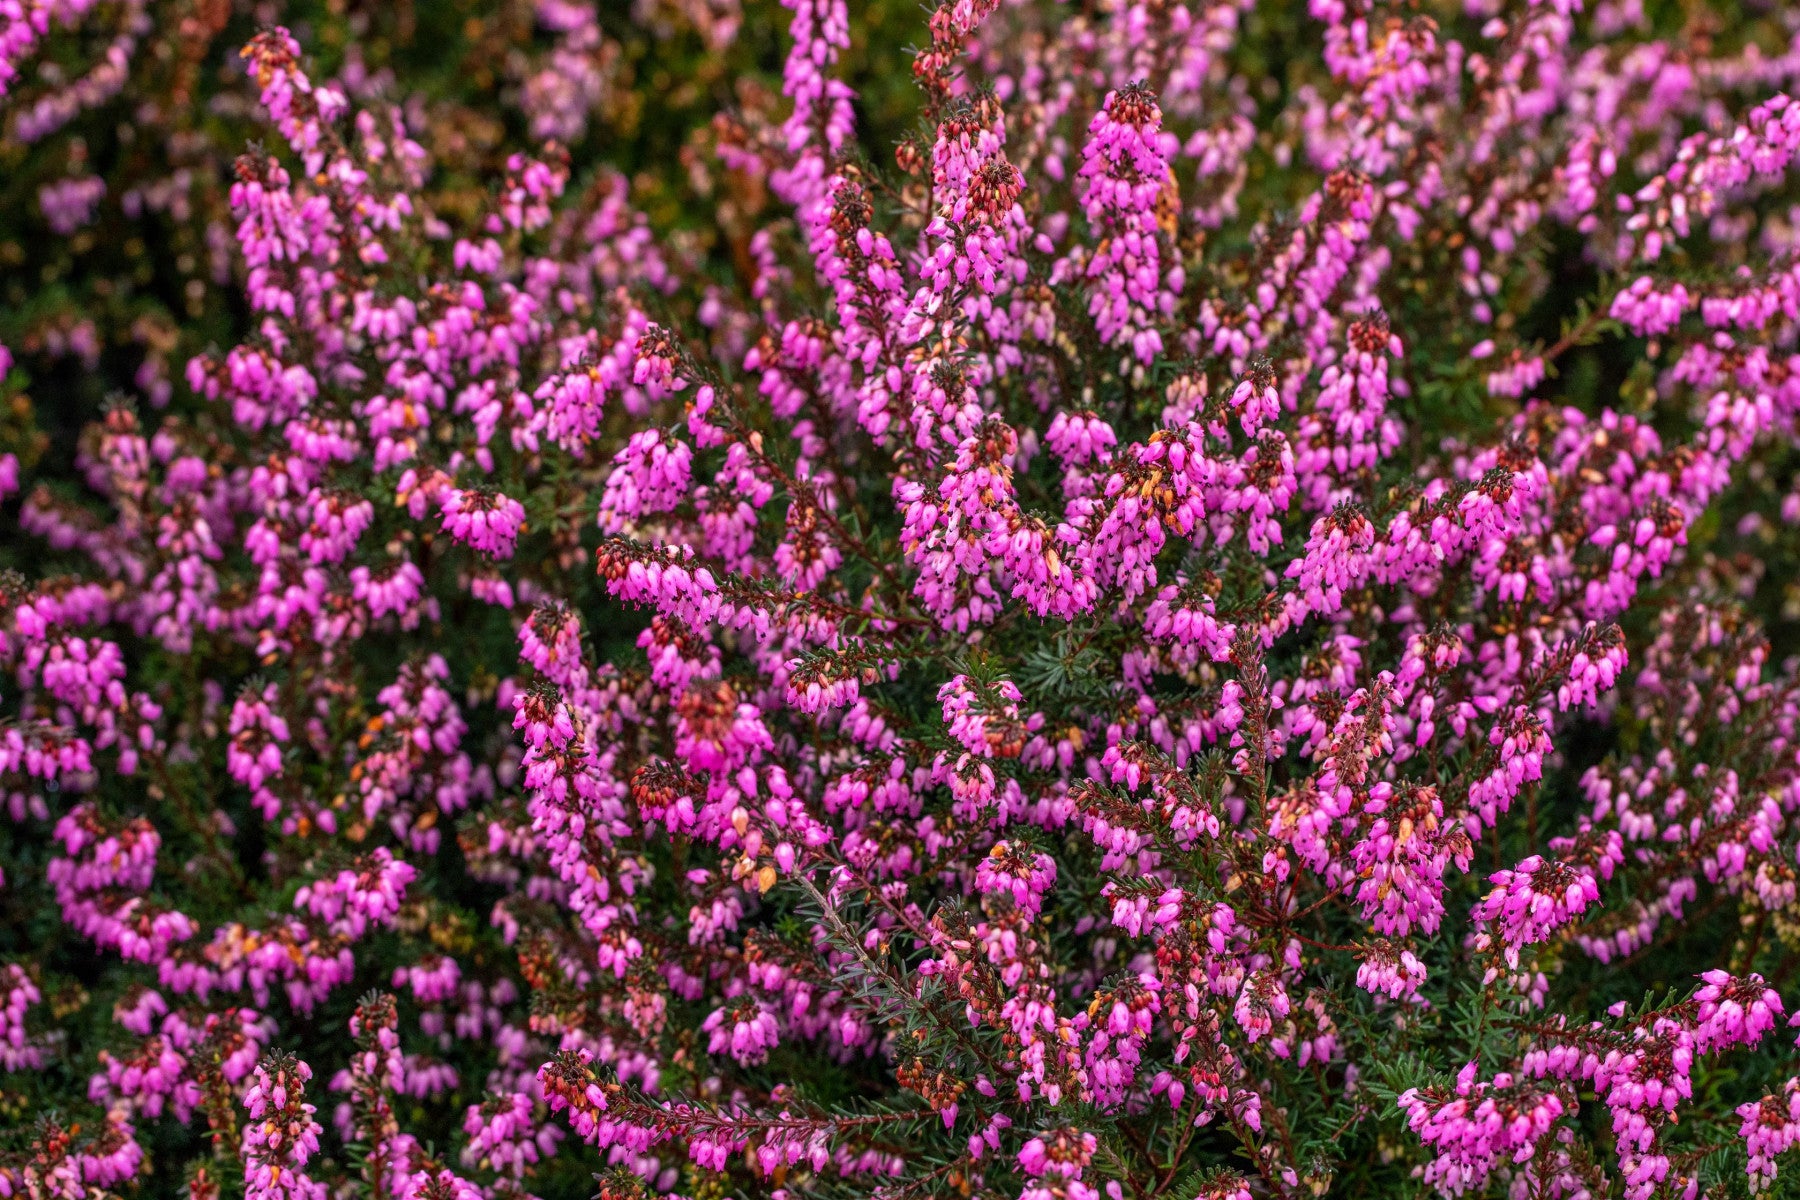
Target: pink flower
point(486, 521)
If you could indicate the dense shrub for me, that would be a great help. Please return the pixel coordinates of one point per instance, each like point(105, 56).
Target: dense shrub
point(1155, 599)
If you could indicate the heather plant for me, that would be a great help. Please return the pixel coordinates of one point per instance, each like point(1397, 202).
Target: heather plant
point(1142, 599)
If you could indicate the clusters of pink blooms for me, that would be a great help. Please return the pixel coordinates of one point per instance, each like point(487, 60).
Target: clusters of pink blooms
point(24, 24)
point(1125, 164)
point(281, 1134)
point(69, 204)
point(18, 1051)
point(1640, 1065)
point(1086, 708)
